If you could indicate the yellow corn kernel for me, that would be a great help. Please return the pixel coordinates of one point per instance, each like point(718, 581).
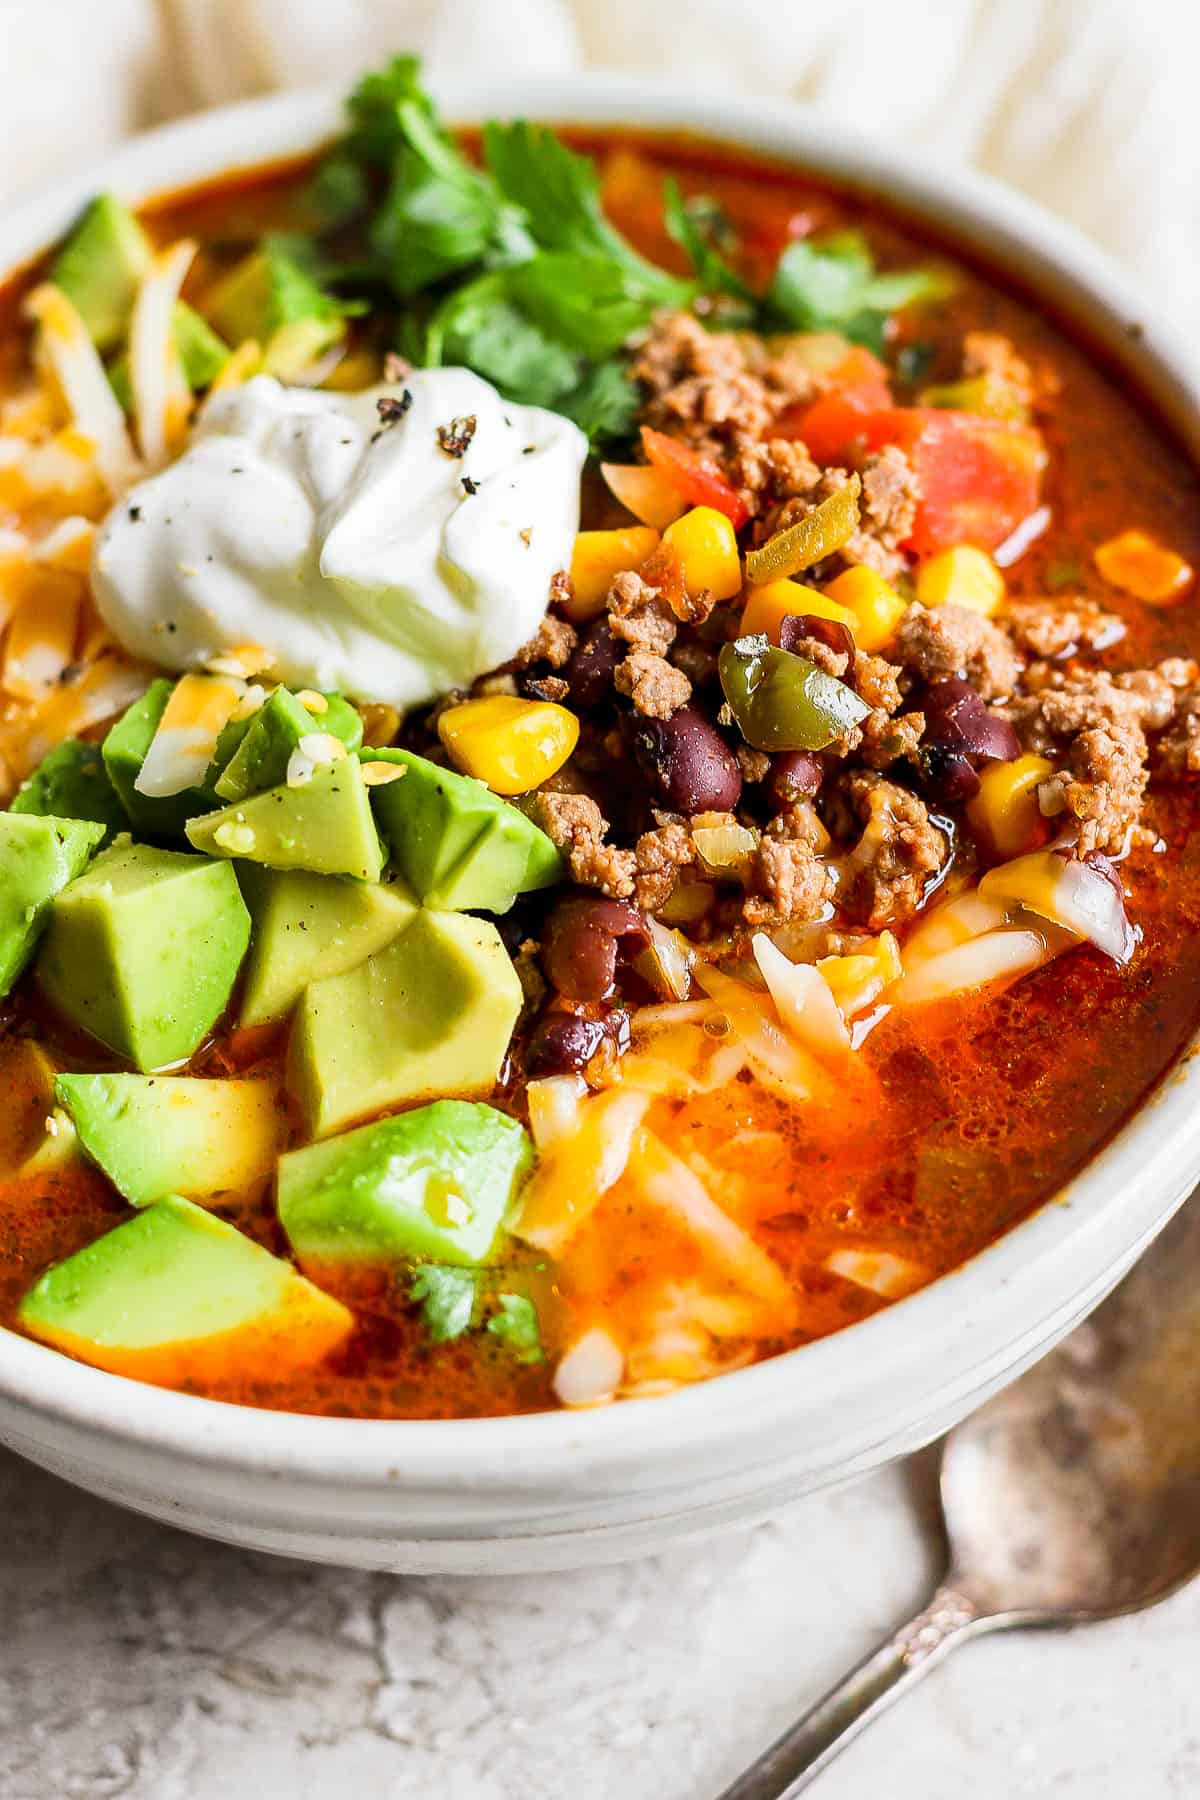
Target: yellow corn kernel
point(706, 544)
point(597, 557)
point(963, 576)
point(1005, 811)
point(857, 981)
point(769, 605)
point(512, 745)
point(874, 605)
point(1137, 565)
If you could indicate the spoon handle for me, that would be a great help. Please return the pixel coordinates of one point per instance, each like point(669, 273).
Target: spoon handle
point(811, 1744)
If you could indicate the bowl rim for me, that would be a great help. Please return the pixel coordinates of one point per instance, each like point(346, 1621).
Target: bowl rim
point(1061, 1250)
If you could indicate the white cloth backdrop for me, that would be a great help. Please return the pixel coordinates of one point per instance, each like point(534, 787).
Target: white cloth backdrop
point(1090, 105)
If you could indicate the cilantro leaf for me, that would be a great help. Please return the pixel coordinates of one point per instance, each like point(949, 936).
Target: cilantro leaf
point(559, 191)
point(481, 326)
point(374, 106)
point(695, 225)
point(590, 304)
point(604, 404)
point(447, 1299)
point(833, 286)
point(338, 191)
point(515, 1323)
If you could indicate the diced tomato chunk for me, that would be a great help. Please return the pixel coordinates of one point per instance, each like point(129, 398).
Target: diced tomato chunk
point(698, 478)
point(978, 477)
point(858, 386)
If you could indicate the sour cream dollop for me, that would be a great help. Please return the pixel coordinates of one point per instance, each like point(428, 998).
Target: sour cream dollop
point(363, 546)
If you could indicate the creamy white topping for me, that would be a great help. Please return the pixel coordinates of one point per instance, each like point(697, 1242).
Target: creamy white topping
point(357, 550)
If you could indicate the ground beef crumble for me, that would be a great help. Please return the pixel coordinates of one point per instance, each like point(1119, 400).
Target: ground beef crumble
point(656, 688)
point(576, 826)
point(953, 640)
point(552, 643)
point(1053, 628)
point(659, 856)
point(639, 616)
point(793, 878)
point(885, 876)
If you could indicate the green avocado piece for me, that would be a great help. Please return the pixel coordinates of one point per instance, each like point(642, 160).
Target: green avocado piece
point(430, 1014)
point(459, 846)
point(436, 1182)
point(176, 1293)
point(124, 750)
point(268, 296)
point(99, 269)
point(273, 732)
point(72, 783)
point(143, 950)
point(39, 855)
point(172, 1134)
point(325, 826)
point(308, 926)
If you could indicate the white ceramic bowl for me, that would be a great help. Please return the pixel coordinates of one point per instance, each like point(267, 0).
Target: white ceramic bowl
point(559, 1489)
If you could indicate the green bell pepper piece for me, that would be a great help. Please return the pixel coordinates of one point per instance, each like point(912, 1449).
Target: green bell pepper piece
point(784, 702)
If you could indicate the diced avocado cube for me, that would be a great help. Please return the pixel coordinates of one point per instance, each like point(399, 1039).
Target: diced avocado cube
point(99, 269)
point(172, 1134)
point(431, 1014)
point(458, 845)
point(175, 1294)
point(325, 825)
point(436, 1182)
point(39, 855)
point(309, 926)
point(274, 731)
point(125, 750)
point(72, 783)
point(268, 296)
point(143, 950)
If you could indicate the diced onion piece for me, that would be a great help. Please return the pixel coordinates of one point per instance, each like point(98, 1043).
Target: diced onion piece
point(182, 747)
point(996, 956)
point(79, 372)
point(590, 1372)
point(669, 1184)
point(645, 492)
point(884, 1273)
point(726, 851)
point(803, 999)
point(41, 638)
point(162, 399)
point(576, 1172)
point(554, 1107)
point(1069, 893)
point(666, 962)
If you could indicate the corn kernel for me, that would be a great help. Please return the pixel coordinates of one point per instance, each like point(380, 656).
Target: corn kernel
point(857, 981)
point(598, 556)
point(873, 603)
point(1005, 811)
point(769, 605)
point(963, 576)
point(1137, 565)
point(706, 544)
point(512, 745)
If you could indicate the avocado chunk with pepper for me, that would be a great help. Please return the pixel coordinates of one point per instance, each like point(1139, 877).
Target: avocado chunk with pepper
point(100, 267)
point(310, 926)
point(39, 856)
point(174, 1134)
point(460, 847)
point(431, 1014)
point(72, 783)
point(273, 732)
point(436, 1182)
point(142, 951)
point(176, 1295)
point(271, 297)
point(125, 749)
point(324, 825)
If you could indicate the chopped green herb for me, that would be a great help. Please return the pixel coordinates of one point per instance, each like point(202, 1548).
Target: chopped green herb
point(1066, 574)
point(515, 1323)
point(833, 286)
point(699, 226)
point(447, 1299)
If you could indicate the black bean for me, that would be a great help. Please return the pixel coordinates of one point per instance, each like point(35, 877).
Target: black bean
point(589, 672)
point(831, 632)
point(794, 775)
point(946, 775)
point(561, 1042)
point(582, 939)
point(692, 767)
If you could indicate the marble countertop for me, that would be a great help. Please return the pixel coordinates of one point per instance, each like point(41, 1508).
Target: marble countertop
point(141, 1663)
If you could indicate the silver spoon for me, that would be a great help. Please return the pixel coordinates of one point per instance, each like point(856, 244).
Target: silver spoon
point(1072, 1496)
